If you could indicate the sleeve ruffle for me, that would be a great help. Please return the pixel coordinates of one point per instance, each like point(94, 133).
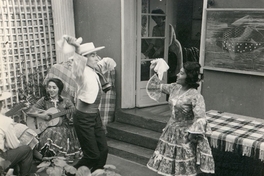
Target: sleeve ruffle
point(153, 88)
point(200, 126)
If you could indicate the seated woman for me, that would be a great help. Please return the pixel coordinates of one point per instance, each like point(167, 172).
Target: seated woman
point(59, 140)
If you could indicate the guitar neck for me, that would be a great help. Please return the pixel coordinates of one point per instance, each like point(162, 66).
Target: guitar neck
point(62, 113)
point(21, 105)
point(15, 109)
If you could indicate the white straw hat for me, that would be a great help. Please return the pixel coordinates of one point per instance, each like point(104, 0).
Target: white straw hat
point(5, 95)
point(87, 48)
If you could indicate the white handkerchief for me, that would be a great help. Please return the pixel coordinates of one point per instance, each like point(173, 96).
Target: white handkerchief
point(65, 47)
point(160, 66)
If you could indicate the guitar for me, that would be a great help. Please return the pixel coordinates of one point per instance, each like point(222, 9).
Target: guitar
point(30, 99)
point(39, 124)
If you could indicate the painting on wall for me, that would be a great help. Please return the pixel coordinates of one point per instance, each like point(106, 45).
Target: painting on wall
point(234, 40)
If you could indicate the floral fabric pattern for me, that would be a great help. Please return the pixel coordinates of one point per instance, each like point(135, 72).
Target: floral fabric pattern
point(175, 154)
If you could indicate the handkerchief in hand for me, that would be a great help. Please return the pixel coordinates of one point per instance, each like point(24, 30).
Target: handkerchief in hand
point(160, 66)
point(106, 64)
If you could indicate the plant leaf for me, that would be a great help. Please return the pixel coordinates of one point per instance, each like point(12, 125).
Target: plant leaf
point(44, 164)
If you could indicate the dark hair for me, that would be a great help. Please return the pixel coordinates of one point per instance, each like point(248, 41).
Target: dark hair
point(59, 84)
point(193, 75)
point(158, 11)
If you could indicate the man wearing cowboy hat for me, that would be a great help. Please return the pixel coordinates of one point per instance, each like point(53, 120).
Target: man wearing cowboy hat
point(10, 148)
point(86, 118)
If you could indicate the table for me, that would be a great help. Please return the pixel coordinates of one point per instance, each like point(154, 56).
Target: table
point(236, 133)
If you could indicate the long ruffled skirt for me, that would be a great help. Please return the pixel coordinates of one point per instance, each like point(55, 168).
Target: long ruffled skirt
point(60, 141)
point(176, 155)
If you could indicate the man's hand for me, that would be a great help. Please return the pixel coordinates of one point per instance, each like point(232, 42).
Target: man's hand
point(106, 64)
point(110, 63)
point(73, 41)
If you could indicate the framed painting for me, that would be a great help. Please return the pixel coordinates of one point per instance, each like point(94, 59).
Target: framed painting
point(234, 40)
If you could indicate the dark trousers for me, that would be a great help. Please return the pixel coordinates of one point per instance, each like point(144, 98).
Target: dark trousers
point(92, 139)
point(21, 156)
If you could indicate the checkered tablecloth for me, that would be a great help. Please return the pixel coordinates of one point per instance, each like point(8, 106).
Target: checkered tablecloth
point(235, 134)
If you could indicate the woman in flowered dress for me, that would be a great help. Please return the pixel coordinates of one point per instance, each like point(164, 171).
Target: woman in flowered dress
point(183, 148)
point(59, 140)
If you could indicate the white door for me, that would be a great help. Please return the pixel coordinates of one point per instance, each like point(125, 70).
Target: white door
point(145, 37)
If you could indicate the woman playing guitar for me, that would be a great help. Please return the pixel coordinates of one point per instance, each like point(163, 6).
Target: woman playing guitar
point(59, 138)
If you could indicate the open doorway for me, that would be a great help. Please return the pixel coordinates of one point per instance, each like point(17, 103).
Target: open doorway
point(152, 43)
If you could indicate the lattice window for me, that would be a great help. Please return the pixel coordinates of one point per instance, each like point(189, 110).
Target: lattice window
point(27, 46)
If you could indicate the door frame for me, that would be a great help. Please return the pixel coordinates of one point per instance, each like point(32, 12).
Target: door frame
point(128, 54)
point(142, 99)
point(128, 48)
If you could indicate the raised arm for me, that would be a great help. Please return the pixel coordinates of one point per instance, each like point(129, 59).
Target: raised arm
point(79, 62)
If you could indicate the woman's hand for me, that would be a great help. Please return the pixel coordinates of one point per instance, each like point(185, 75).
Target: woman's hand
point(44, 116)
point(194, 138)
